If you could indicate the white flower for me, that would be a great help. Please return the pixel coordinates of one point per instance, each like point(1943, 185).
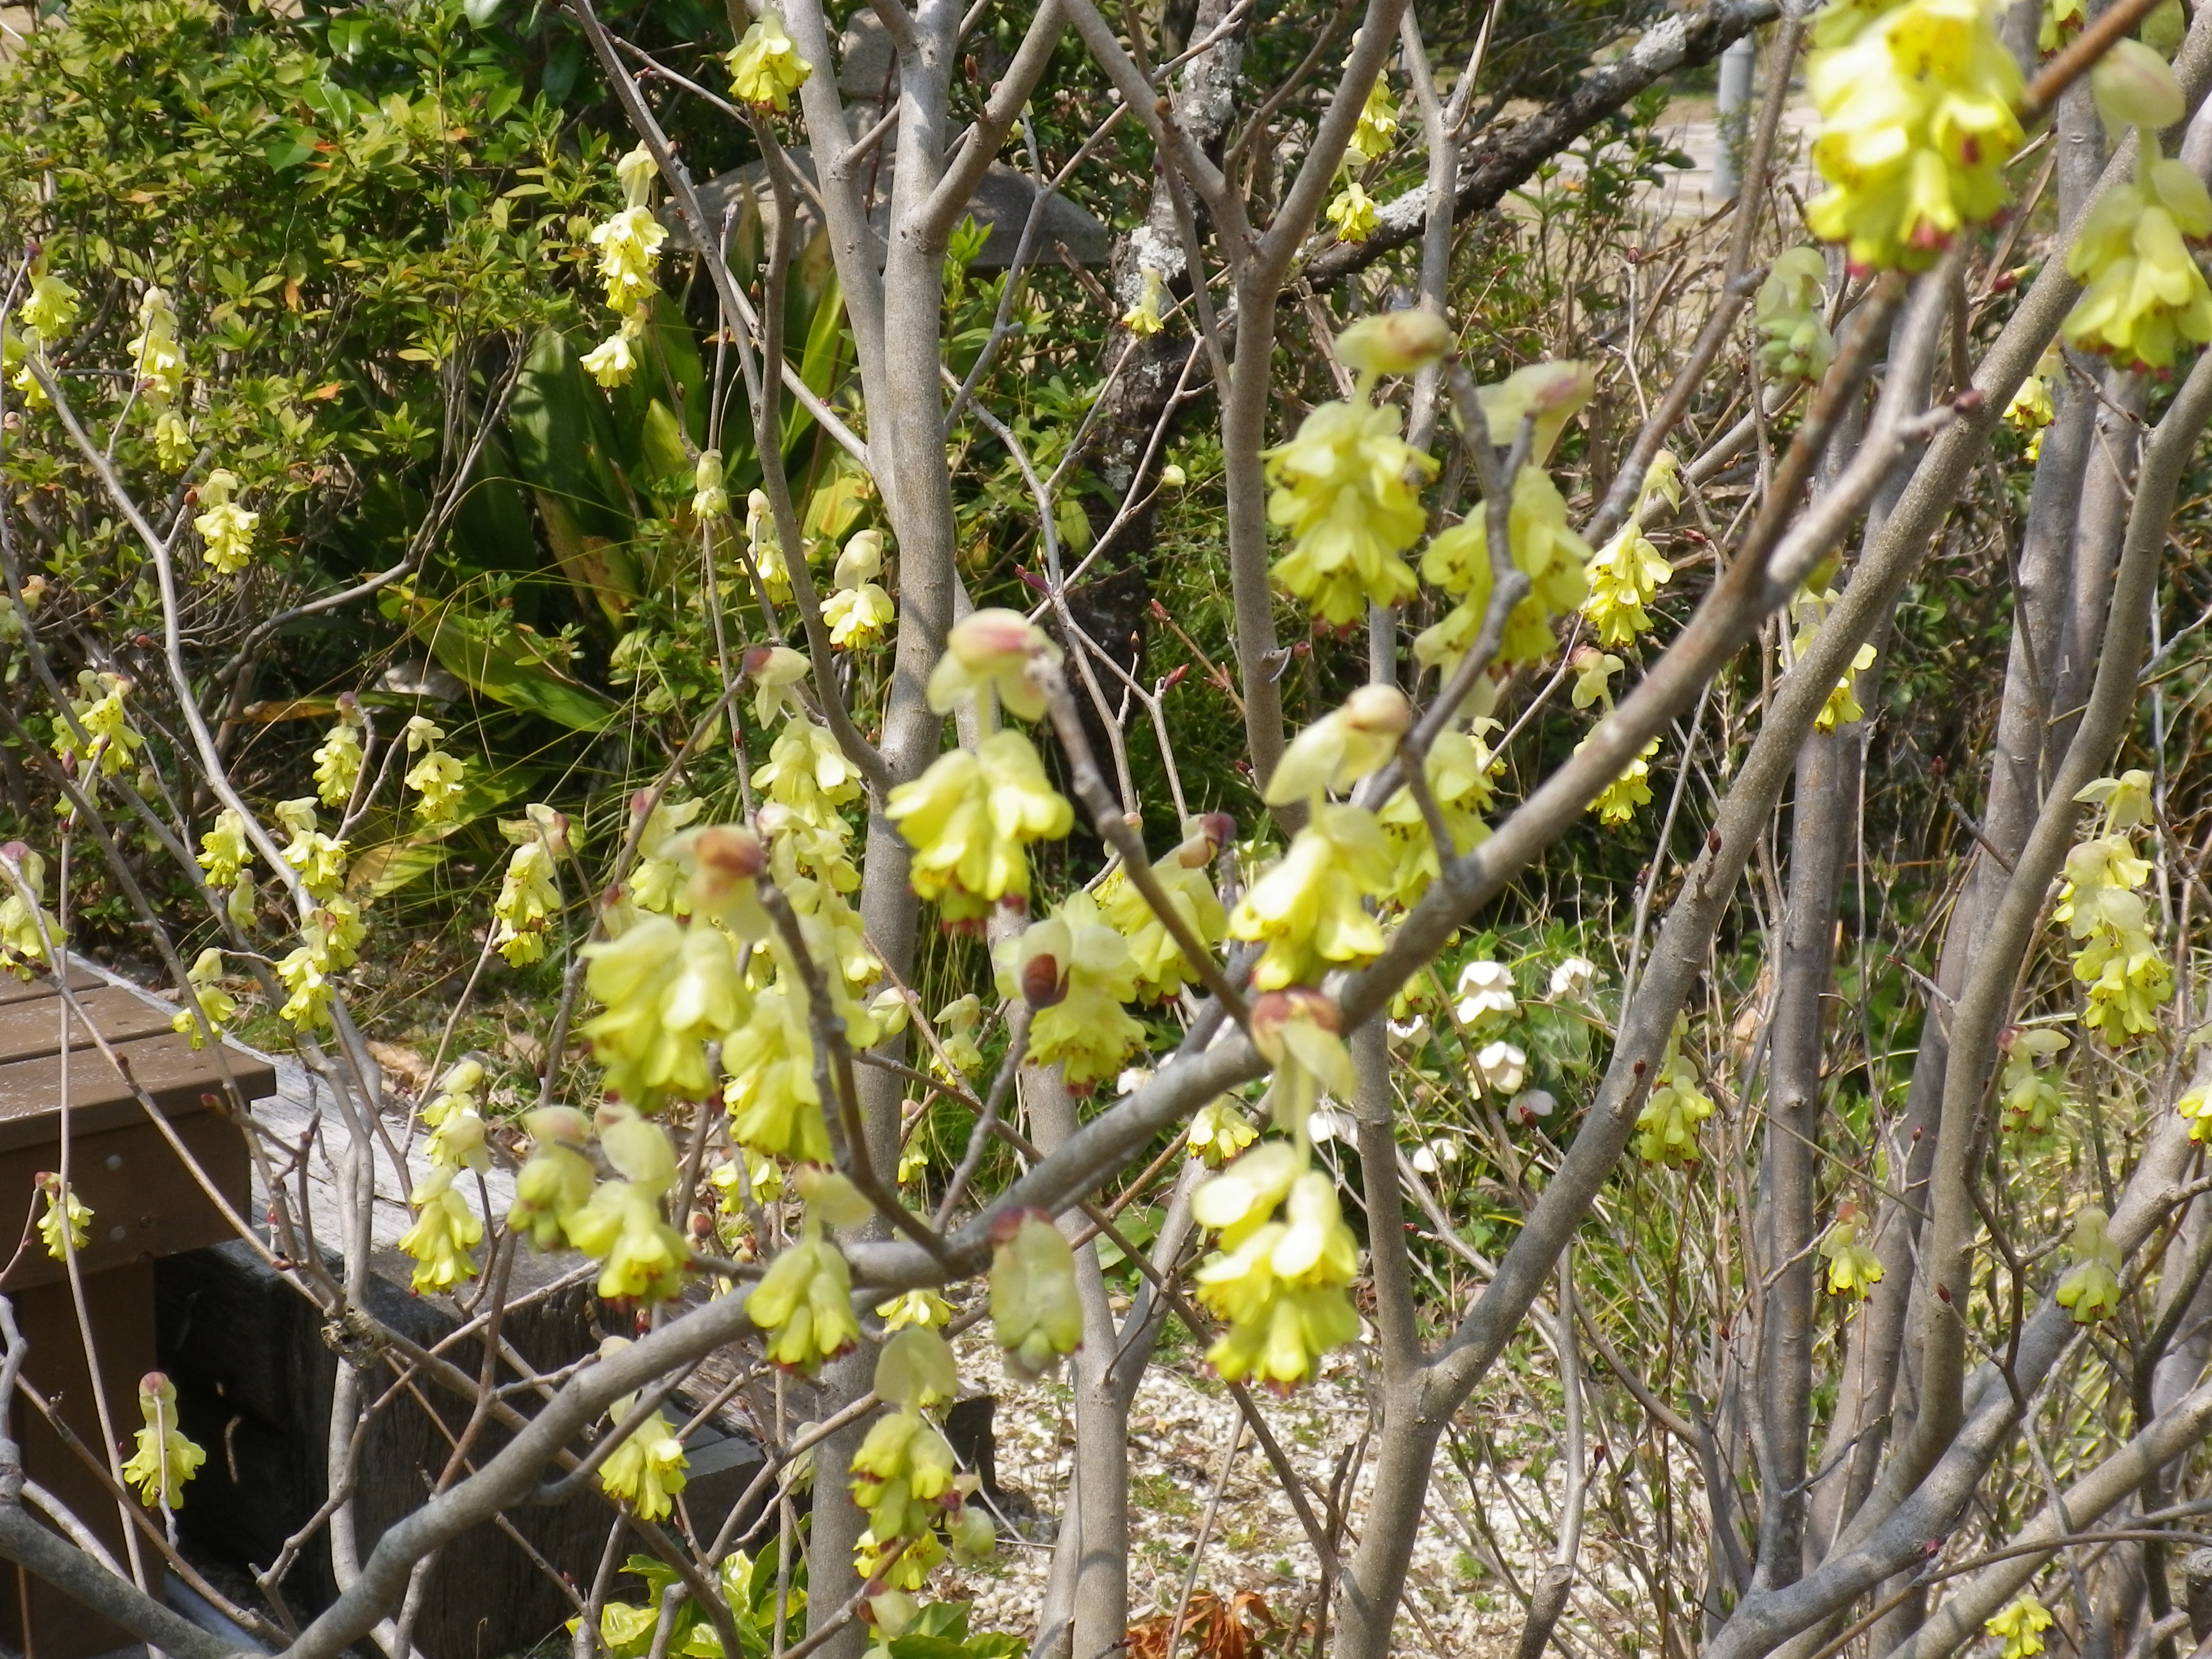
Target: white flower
point(1502, 1067)
point(1132, 1078)
point(1531, 1104)
point(1572, 977)
point(1410, 1034)
point(1433, 1155)
point(1329, 1124)
point(1485, 989)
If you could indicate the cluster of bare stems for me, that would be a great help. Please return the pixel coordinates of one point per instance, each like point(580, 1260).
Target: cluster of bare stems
point(1755, 1522)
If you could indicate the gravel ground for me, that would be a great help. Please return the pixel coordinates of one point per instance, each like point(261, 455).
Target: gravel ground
point(1179, 1430)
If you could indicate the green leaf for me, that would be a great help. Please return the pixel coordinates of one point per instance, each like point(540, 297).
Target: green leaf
point(503, 659)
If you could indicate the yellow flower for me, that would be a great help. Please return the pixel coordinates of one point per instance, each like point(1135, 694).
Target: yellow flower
point(709, 499)
point(1347, 488)
point(1161, 970)
point(1279, 1283)
point(1545, 549)
point(446, 1230)
point(969, 818)
point(172, 440)
point(226, 529)
point(26, 924)
point(858, 616)
point(765, 67)
point(1352, 212)
point(2030, 410)
point(337, 765)
point(1917, 124)
point(555, 1180)
point(529, 897)
point(1796, 344)
point(1341, 747)
point(305, 973)
point(1667, 1127)
point(1853, 1269)
point(1298, 1032)
point(1033, 1304)
point(900, 1471)
point(1309, 909)
point(1076, 971)
point(808, 773)
point(1617, 802)
point(110, 743)
point(2020, 1624)
point(2062, 20)
point(2092, 1286)
point(58, 1204)
point(648, 1468)
point(437, 777)
point(923, 1308)
point(157, 361)
point(2143, 294)
point(1217, 1132)
point(1842, 709)
point(989, 653)
point(669, 990)
point(774, 1104)
point(2127, 976)
point(611, 363)
point(1461, 771)
point(216, 1006)
point(2032, 1098)
point(165, 1461)
point(1143, 317)
point(222, 852)
point(1378, 123)
point(641, 1257)
point(629, 252)
point(955, 1024)
point(49, 310)
point(1623, 576)
point(804, 1301)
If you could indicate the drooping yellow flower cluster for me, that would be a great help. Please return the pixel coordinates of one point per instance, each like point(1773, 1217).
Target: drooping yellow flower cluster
point(1285, 1256)
point(330, 934)
point(648, 1468)
point(224, 857)
point(157, 367)
point(970, 815)
point(1462, 775)
point(1627, 571)
point(1347, 487)
point(530, 889)
point(1853, 1269)
point(41, 320)
point(437, 777)
point(2020, 1625)
point(1794, 341)
point(765, 67)
point(2091, 1286)
point(1616, 804)
point(2102, 907)
point(1354, 214)
point(1075, 971)
point(1667, 1127)
point(2030, 410)
point(108, 742)
point(804, 1300)
point(2029, 1086)
point(1309, 909)
point(26, 924)
point(1160, 968)
point(1033, 1310)
point(66, 1224)
point(225, 528)
point(337, 760)
point(1544, 546)
point(629, 244)
point(2144, 295)
point(216, 1006)
point(446, 1229)
point(164, 1461)
point(1811, 608)
point(621, 1226)
point(1143, 319)
point(903, 1474)
point(1916, 103)
point(858, 610)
